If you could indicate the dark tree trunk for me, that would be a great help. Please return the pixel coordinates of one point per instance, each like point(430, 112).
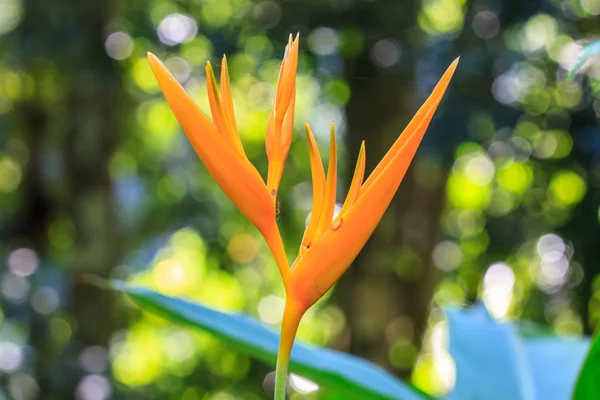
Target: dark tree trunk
point(387, 291)
point(72, 134)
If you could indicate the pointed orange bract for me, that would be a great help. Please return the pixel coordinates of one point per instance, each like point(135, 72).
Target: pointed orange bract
point(328, 206)
point(318, 183)
point(227, 100)
point(223, 115)
point(357, 180)
point(281, 121)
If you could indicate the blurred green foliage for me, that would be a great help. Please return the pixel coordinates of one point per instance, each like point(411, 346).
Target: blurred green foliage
point(96, 176)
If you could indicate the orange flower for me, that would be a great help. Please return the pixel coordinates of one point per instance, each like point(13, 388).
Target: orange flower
point(218, 143)
point(330, 246)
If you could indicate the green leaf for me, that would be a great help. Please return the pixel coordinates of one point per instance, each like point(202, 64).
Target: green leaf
point(497, 361)
point(586, 54)
point(344, 374)
point(588, 384)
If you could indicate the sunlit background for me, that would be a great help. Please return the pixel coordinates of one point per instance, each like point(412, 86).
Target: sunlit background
point(501, 204)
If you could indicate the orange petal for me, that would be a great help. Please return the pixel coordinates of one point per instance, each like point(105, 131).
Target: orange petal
point(214, 99)
point(287, 77)
point(357, 180)
point(439, 90)
point(281, 121)
point(227, 103)
point(334, 251)
point(288, 126)
point(238, 178)
point(318, 184)
point(328, 208)
point(218, 111)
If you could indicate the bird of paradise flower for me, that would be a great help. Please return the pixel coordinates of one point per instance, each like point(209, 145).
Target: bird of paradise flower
point(329, 244)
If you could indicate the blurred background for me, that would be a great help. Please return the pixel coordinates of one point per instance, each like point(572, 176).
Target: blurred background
point(501, 203)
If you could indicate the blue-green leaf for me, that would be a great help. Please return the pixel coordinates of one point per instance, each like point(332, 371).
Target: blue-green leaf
point(554, 363)
point(496, 360)
point(489, 359)
point(350, 376)
point(588, 52)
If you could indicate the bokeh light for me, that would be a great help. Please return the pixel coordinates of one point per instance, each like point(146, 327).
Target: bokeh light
point(11, 12)
point(486, 24)
point(498, 284)
point(119, 45)
point(302, 385)
point(23, 262)
point(323, 41)
point(11, 356)
point(386, 52)
point(177, 28)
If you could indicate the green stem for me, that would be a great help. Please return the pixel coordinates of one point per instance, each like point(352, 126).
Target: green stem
point(291, 319)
